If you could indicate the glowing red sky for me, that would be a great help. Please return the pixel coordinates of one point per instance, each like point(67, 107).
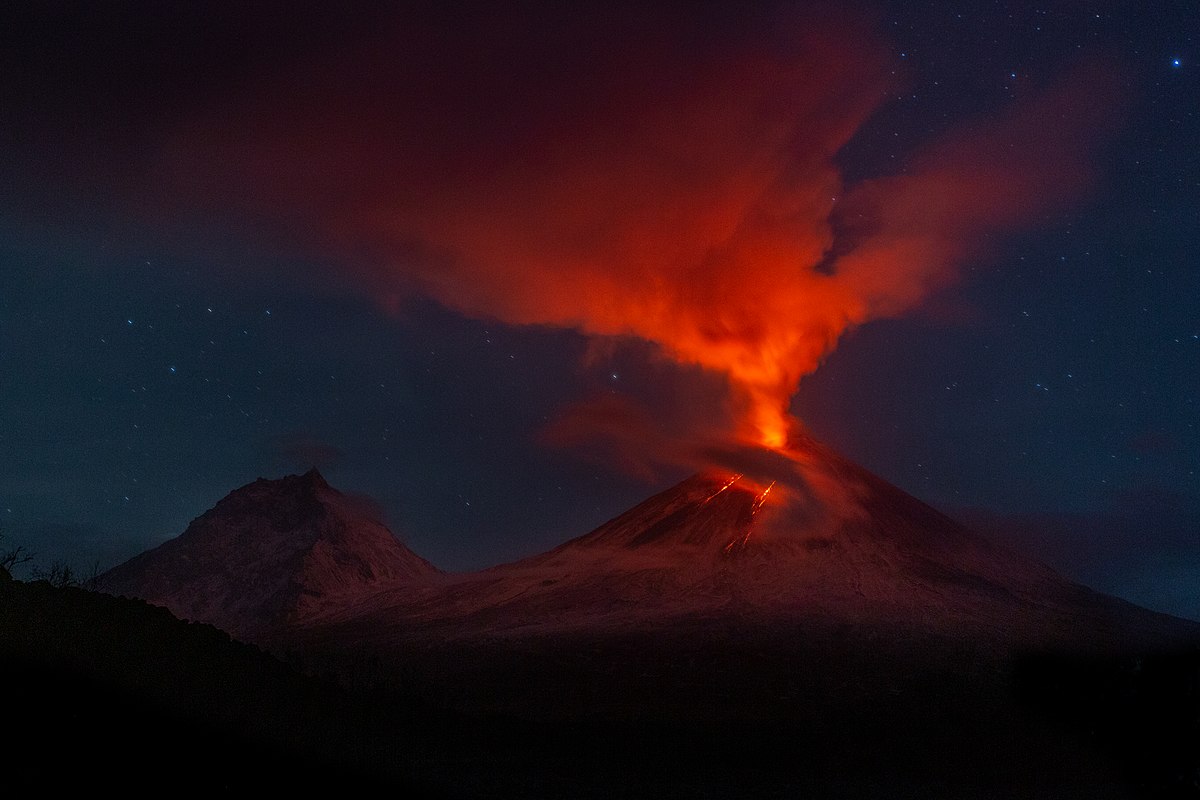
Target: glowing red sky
point(629, 179)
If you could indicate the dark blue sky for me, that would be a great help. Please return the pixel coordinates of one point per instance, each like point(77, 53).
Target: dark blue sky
point(161, 345)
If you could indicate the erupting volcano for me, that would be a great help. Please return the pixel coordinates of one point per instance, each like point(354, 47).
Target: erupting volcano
point(822, 541)
point(805, 591)
point(567, 292)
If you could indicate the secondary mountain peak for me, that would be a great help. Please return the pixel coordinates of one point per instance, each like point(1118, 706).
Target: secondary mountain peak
point(269, 554)
point(313, 477)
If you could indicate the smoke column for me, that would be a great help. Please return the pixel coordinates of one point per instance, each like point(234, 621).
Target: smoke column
point(667, 177)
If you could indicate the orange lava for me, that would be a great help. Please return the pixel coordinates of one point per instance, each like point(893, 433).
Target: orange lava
point(728, 483)
point(755, 507)
point(762, 498)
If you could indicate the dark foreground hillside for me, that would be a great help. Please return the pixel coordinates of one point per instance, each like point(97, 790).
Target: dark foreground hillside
point(102, 691)
point(108, 692)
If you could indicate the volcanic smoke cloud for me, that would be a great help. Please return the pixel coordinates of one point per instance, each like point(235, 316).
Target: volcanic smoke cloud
point(672, 178)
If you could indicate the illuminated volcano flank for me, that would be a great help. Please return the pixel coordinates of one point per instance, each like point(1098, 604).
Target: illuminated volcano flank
point(820, 539)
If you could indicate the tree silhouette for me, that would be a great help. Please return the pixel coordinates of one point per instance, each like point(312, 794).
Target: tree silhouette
point(11, 557)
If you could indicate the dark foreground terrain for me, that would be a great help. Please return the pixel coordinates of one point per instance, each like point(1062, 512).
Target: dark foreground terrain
point(108, 692)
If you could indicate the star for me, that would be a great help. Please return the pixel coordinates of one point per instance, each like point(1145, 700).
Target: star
point(1176, 63)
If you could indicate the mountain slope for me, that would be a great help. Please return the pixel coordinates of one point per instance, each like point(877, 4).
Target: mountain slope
point(816, 539)
point(269, 554)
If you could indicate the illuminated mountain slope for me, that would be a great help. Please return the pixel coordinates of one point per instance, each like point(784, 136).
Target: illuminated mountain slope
point(268, 555)
point(816, 540)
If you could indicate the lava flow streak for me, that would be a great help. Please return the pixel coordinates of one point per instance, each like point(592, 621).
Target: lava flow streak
point(728, 483)
point(762, 498)
point(755, 507)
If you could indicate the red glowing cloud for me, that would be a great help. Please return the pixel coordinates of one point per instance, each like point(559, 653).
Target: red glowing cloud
point(641, 177)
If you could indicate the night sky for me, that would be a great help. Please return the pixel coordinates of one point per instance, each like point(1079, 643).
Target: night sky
point(507, 270)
